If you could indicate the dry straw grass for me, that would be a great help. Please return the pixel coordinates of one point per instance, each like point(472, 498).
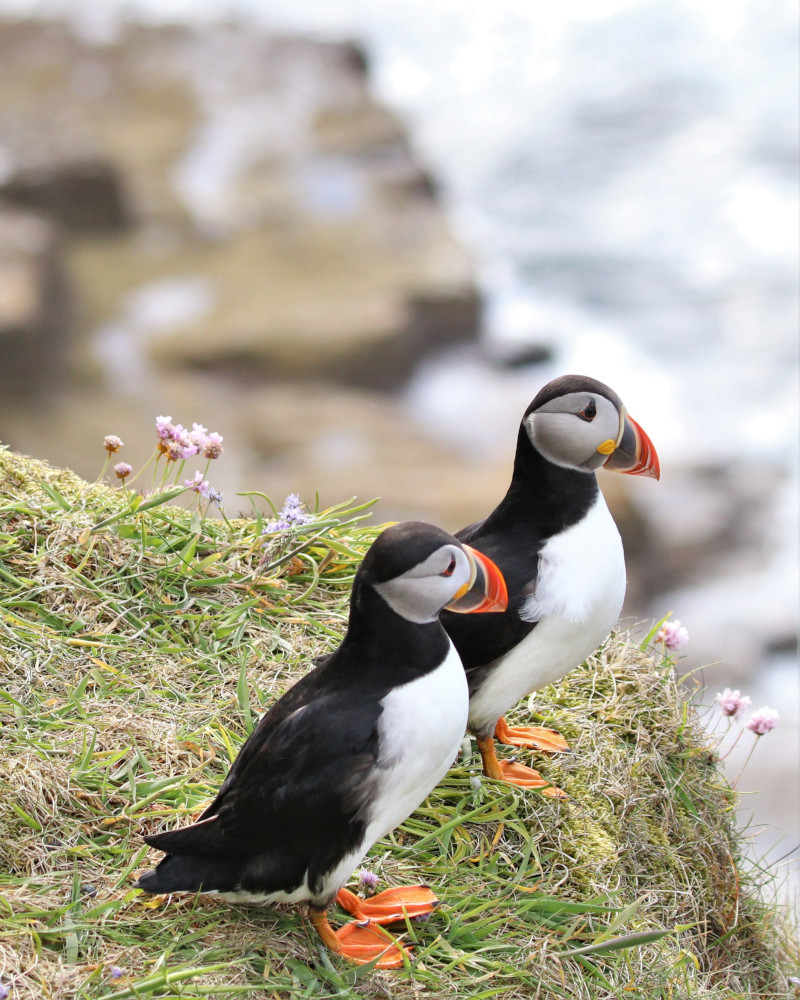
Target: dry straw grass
point(134, 659)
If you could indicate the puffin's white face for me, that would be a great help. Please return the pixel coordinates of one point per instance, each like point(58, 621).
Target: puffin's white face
point(578, 430)
point(420, 593)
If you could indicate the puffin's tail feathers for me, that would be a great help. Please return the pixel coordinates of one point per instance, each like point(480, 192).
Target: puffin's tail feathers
point(200, 839)
point(179, 873)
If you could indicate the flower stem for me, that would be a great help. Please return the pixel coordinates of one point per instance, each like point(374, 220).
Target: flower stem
point(741, 769)
point(149, 460)
point(105, 466)
point(738, 737)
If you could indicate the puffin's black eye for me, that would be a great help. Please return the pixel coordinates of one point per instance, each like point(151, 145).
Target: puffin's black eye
point(451, 568)
point(589, 412)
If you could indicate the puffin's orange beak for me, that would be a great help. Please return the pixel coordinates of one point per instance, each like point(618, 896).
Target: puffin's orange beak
point(635, 454)
point(484, 591)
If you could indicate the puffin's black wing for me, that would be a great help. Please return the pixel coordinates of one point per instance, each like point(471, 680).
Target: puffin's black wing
point(309, 690)
point(469, 533)
point(308, 773)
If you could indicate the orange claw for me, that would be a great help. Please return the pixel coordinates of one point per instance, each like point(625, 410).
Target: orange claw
point(390, 905)
point(360, 943)
point(532, 737)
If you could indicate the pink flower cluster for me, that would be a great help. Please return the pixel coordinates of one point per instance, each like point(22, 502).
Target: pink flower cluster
point(112, 443)
point(203, 487)
point(367, 880)
point(198, 484)
point(176, 442)
point(733, 703)
point(763, 720)
point(673, 635)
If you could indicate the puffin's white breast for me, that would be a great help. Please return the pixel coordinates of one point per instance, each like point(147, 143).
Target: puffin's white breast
point(419, 732)
point(578, 597)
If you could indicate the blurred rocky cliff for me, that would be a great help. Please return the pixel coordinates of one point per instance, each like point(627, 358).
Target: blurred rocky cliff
point(224, 224)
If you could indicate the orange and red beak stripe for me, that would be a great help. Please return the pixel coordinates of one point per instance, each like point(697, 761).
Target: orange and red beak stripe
point(486, 590)
point(635, 455)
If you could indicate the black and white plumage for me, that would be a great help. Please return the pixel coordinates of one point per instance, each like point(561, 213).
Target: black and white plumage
point(348, 752)
point(561, 555)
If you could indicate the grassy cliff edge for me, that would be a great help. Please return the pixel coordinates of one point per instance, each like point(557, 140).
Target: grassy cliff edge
point(139, 643)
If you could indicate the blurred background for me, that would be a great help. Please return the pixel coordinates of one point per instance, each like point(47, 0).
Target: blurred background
point(355, 238)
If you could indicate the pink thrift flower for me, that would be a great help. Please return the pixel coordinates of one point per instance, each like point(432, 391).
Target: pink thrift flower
point(198, 484)
point(123, 470)
point(732, 703)
point(367, 880)
point(212, 446)
point(198, 435)
point(181, 437)
point(673, 635)
point(173, 451)
point(164, 427)
point(762, 721)
point(112, 443)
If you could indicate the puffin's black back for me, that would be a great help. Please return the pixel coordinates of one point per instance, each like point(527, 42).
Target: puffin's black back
point(542, 500)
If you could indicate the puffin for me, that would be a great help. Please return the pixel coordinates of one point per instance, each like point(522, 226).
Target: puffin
point(561, 555)
point(347, 753)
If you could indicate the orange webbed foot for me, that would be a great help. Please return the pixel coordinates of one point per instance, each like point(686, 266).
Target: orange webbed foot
point(361, 943)
point(531, 737)
point(513, 773)
point(390, 905)
point(526, 777)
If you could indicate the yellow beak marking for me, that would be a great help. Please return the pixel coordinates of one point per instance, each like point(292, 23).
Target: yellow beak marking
point(607, 447)
point(473, 575)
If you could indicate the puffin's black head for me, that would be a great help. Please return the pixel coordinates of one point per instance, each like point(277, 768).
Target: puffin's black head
point(579, 423)
point(419, 569)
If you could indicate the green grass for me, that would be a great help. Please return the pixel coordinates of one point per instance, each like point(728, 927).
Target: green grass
point(134, 659)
